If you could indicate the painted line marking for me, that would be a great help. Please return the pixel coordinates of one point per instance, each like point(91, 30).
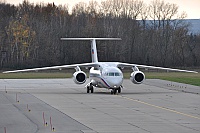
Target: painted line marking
point(159, 107)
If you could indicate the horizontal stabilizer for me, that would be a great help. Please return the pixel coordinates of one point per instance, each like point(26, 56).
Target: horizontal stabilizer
point(90, 39)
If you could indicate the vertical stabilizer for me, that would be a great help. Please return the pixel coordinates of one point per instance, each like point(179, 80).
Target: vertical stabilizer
point(94, 51)
point(93, 44)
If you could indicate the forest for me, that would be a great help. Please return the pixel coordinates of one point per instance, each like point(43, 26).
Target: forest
point(152, 34)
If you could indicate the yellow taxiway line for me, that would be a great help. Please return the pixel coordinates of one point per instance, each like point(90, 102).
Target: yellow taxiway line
point(159, 107)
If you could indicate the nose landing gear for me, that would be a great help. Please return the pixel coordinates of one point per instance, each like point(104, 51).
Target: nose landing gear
point(114, 91)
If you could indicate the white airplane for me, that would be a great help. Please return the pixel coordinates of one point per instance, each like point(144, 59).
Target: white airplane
point(102, 74)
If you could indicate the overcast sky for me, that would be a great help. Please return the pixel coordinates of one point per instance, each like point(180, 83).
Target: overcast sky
point(191, 7)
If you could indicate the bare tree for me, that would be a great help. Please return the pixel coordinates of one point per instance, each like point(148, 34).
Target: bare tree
point(31, 33)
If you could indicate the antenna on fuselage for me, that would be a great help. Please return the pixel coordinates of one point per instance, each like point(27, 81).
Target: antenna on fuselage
point(93, 44)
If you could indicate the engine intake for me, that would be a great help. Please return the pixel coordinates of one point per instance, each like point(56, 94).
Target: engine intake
point(137, 77)
point(79, 77)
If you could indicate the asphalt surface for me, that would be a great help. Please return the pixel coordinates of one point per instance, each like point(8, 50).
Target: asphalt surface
point(61, 106)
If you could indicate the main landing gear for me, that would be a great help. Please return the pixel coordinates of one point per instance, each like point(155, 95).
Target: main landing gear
point(90, 88)
point(114, 91)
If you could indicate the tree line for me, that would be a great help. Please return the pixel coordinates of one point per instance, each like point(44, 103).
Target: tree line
point(152, 34)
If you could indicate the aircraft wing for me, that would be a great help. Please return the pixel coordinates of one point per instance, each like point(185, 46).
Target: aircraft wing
point(55, 67)
point(122, 65)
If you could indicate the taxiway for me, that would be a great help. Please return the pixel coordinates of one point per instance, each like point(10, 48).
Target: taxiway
point(61, 106)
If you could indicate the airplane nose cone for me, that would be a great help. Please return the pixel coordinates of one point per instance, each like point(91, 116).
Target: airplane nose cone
point(116, 82)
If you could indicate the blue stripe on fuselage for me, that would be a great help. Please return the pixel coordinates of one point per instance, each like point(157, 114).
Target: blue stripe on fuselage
point(103, 82)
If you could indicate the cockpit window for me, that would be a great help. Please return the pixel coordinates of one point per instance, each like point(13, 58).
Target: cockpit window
point(117, 74)
point(112, 74)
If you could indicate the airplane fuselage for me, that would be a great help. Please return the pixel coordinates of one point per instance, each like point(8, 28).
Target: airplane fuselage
point(107, 75)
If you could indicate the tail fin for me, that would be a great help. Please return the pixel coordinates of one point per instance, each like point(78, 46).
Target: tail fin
point(93, 44)
point(94, 51)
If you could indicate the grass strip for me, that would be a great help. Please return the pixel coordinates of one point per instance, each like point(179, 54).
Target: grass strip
point(35, 75)
point(187, 78)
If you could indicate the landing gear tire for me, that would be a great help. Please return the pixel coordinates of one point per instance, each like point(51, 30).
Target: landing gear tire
point(119, 90)
point(111, 92)
point(90, 88)
point(114, 91)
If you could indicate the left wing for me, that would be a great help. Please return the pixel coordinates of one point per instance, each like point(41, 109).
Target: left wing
point(55, 67)
point(152, 67)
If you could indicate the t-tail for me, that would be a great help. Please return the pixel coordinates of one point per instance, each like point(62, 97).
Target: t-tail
point(93, 44)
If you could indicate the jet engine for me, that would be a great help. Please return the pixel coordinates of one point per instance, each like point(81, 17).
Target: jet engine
point(79, 77)
point(137, 77)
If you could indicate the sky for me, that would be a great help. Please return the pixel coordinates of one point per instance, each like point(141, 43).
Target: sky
point(191, 7)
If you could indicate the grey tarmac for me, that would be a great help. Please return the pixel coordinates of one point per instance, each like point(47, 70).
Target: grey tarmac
point(61, 106)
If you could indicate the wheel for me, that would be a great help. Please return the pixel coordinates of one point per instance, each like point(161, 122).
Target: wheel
point(119, 90)
point(92, 89)
point(114, 91)
point(88, 89)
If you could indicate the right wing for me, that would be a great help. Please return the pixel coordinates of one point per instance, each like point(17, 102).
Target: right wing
point(55, 67)
point(152, 67)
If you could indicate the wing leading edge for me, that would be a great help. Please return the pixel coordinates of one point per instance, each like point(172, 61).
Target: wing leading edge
point(152, 67)
point(118, 64)
point(55, 67)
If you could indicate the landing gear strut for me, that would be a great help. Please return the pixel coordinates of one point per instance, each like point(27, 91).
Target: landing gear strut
point(90, 88)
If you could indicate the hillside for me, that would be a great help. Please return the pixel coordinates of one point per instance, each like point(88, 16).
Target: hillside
point(194, 27)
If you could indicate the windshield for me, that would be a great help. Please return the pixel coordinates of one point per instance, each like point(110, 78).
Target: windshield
point(113, 74)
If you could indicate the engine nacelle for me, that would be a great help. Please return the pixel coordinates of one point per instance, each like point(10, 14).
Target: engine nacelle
point(137, 77)
point(79, 77)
